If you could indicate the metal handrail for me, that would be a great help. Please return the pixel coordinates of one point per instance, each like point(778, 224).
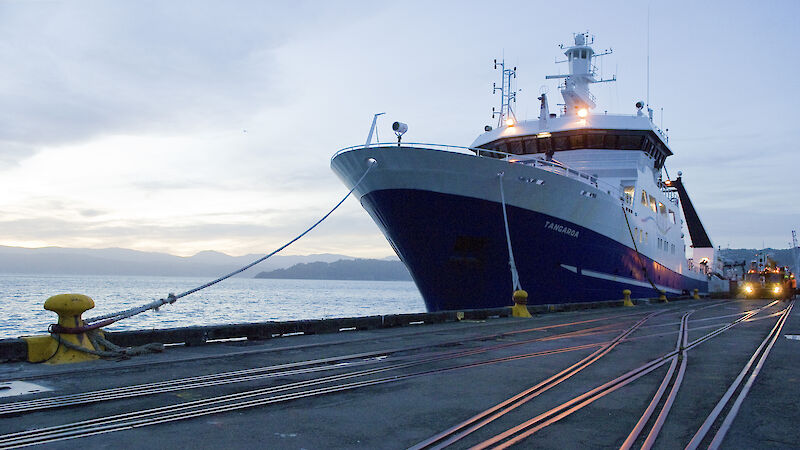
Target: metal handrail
point(571, 173)
point(435, 147)
point(551, 166)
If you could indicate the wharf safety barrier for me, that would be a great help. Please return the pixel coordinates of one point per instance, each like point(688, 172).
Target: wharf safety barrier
point(16, 349)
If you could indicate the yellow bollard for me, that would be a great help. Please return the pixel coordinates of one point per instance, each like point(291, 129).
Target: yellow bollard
point(627, 298)
point(663, 297)
point(696, 295)
point(520, 308)
point(69, 308)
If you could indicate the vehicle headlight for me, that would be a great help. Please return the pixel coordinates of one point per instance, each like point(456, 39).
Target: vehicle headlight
point(748, 288)
point(776, 289)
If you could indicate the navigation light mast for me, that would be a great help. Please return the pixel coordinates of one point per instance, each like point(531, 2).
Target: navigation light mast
point(507, 95)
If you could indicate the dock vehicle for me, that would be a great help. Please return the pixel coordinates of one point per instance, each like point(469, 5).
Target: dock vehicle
point(771, 282)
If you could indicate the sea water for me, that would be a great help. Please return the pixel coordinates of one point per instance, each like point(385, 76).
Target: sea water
point(236, 300)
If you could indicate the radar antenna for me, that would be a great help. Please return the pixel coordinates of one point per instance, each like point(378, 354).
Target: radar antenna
point(507, 95)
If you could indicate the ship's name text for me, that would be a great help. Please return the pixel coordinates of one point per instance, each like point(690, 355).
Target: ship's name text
point(560, 228)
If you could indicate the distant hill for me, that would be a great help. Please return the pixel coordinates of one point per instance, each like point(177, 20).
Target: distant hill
point(354, 269)
point(119, 261)
point(782, 256)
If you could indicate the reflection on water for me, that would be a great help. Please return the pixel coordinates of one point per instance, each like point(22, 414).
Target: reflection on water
point(237, 300)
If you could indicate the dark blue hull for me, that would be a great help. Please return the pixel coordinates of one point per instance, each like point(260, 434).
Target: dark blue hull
point(455, 248)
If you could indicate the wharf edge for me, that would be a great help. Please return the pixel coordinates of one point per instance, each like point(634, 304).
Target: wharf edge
point(15, 349)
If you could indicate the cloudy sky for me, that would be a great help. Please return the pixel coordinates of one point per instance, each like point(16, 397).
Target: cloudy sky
point(183, 126)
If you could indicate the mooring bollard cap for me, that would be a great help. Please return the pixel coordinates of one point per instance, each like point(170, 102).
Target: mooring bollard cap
point(626, 292)
point(69, 304)
point(520, 294)
point(520, 308)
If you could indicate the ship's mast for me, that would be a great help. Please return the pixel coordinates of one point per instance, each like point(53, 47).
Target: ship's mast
point(575, 88)
point(507, 95)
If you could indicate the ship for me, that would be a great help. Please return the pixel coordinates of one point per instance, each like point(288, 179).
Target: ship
point(574, 206)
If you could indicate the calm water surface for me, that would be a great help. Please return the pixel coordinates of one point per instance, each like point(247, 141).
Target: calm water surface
point(236, 300)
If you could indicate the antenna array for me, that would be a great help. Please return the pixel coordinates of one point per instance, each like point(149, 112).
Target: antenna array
point(507, 94)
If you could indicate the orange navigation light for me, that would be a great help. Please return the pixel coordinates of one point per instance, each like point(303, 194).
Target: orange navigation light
point(583, 112)
point(668, 183)
point(510, 122)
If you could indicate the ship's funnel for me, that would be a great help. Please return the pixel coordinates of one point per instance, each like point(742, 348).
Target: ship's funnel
point(697, 231)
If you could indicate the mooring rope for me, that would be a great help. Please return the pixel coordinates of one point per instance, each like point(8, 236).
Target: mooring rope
point(109, 349)
point(639, 255)
point(101, 321)
point(511, 263)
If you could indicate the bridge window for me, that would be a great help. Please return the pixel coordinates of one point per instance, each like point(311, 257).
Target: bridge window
point(653, 203)
point(662, 209)
point(577, 141)
point(629, 191)
point(644, 198)
point(581, 139)
point(630, 142)
point(560, 143)
point(594, 140)
point(672, 216)
point(516, 147)
point(610, 141)
point(543, 145)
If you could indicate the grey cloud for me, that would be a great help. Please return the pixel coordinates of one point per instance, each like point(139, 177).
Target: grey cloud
point(11, 152)
point(75, 70)
point(91, 212)
point(169, 185)
point(264, 225)
point(748, 230)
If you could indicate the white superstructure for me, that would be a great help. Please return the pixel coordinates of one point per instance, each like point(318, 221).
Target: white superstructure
point(624, 153)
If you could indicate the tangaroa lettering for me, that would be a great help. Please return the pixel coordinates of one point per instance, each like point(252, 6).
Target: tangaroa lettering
point(561, 229)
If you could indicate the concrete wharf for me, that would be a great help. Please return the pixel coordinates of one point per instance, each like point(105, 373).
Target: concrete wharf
point(571, 379)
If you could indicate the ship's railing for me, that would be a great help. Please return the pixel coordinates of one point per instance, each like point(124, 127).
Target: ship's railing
point(441, 147)
point(550, 166)
point(562, 169)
